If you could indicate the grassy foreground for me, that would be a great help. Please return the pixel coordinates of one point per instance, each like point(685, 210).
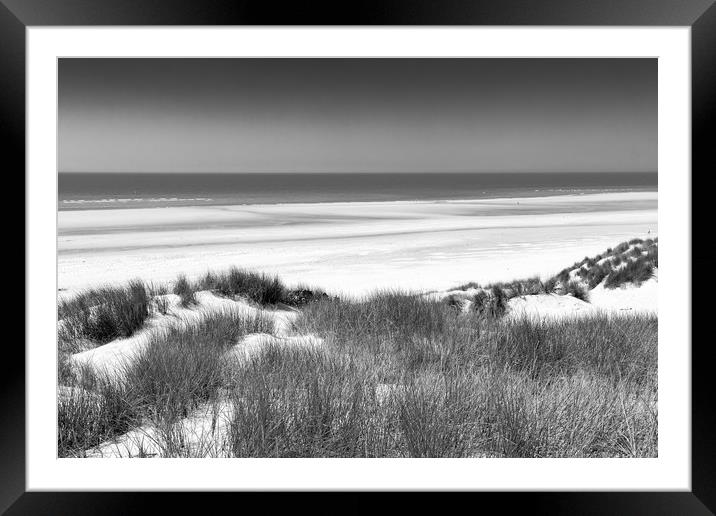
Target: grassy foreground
point(399, 375)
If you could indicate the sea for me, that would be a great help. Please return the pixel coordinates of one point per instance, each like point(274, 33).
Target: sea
point(87, 190)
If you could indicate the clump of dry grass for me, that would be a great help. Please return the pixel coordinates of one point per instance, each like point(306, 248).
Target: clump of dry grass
point(634, 271)
point(184, 289)
point(629, 262)
point(104, 314)
point(263, 289)
point(304, 403)
point(260, 288)
point(577, 289)
point(90, 410)
point(492, 302)
point(186, 365)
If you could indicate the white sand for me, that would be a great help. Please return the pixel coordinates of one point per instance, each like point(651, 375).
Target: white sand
point(204, 433)
point(628, 298)
point(548, 306)
point(252, 344)
point(352, 248)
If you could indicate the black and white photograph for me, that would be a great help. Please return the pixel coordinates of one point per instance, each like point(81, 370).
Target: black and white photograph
point(357, 258)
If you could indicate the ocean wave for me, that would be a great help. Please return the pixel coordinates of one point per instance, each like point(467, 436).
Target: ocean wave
point(136, 199)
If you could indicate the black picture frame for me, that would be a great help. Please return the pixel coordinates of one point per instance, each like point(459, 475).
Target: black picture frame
point(700, 15)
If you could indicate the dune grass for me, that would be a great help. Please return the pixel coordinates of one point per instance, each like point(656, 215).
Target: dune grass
point(185, 365)
point(492, 302)
point(398, 374)
point(636, 272)
point(577, 289)
point(602, 343)
point(303, 403)
point(260, 288)
point(595, 274)
point(652, 253)
point(478, 386)
point(104, 314)
point(184, 290)
point(524, 287)
point(631, 262)
point(177, 371)
point(388, 317)
point(91, 410)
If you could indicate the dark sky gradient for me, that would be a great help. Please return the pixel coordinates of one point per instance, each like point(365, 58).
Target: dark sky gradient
point(357, 115)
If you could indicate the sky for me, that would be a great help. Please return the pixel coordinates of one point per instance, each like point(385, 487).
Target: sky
point(357, 115)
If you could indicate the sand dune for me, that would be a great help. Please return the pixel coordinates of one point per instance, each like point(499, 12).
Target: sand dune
point(110, 359)
point(625, 299)
point(204, 432)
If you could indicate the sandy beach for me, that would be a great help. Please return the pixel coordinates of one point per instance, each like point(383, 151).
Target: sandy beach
point(351, 248)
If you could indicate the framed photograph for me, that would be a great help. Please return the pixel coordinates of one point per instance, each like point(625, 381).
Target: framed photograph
point(401, 249)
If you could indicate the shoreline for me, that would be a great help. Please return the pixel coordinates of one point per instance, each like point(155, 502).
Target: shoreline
point(120, 203)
